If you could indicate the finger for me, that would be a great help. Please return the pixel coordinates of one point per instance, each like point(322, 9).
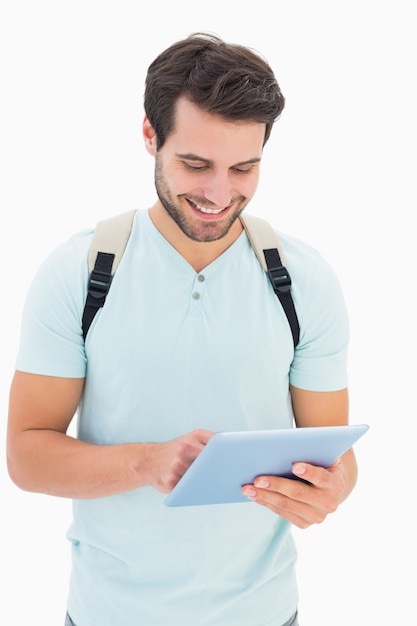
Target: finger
point(319, 476)
point(294, 489)
point(205, 435)
point(302, 520)
point(294, 496)
point(297, 513)
point(323, 496)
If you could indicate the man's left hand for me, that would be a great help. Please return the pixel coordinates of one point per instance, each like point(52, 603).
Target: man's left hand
point(301, 503)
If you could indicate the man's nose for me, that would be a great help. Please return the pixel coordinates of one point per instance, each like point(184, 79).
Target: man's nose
point(219, 190)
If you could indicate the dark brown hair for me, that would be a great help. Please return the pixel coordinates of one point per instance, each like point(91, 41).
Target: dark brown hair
point(224, 79)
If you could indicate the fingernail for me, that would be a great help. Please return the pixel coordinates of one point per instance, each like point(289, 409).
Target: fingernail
point(249, 491)
point(262, 483)
point(299, 469)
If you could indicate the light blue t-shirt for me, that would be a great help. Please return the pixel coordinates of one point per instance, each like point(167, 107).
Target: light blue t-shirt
point(171, 351)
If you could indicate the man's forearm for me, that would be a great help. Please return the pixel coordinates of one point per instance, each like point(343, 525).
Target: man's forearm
point(53, 463)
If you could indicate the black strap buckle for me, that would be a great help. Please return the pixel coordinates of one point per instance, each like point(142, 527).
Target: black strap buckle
point(99, 284)
point(280, 279)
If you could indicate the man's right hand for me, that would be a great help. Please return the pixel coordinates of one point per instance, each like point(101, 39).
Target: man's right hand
point(168, 462)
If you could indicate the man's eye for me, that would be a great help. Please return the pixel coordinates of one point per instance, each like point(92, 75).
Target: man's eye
point(195, 168)
point(239, 170)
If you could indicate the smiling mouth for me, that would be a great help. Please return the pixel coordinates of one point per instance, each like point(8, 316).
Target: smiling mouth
point(206, 210)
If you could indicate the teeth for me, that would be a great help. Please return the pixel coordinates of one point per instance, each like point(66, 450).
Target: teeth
point(204, 209)
point(211, 211)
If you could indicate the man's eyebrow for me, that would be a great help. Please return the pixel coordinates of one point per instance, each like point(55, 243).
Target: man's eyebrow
point(195, 157)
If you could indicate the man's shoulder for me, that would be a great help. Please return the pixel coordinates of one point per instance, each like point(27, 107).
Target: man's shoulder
point(301, 257)
point(295, 247)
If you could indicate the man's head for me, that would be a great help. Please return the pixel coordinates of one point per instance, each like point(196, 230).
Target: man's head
point(222, 79)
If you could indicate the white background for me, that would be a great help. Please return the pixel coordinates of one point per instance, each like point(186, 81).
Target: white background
point(339, 172)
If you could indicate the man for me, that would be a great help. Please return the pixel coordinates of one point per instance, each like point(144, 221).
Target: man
point(191, 340)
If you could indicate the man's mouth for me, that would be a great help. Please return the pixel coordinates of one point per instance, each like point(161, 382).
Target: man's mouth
point(204, 209)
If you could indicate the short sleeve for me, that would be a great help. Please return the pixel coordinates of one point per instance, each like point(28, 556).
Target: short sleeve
point(51, 341)
point(320, 360)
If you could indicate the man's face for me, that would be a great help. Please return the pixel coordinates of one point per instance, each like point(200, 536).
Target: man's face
point(207, 171)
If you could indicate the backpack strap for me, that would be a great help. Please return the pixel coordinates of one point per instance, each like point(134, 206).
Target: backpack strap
point(112, 236)
point(271, 256)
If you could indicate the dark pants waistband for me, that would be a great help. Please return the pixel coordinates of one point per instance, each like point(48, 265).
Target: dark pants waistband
point(293, 621)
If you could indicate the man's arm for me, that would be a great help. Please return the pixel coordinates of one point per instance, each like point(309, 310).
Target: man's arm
point(305, 504)
point(312, 408)
point(42, 458)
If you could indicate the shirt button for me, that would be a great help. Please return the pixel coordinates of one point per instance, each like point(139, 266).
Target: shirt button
point(196, 295)
point(201, 278)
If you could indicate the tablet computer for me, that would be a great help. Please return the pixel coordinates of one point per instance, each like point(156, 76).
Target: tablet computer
point(233, 459)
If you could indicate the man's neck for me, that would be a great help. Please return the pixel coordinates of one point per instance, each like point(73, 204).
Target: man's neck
point(198, 254)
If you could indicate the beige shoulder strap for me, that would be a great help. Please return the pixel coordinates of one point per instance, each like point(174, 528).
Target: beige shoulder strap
point(261, 236)
point(111, 235)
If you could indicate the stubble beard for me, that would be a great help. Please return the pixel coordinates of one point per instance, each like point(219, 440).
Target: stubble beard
point(203, 231)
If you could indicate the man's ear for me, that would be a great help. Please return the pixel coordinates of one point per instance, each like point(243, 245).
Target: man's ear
point(149, 136)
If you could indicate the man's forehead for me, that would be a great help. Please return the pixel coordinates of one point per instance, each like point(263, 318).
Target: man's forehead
point(186, 110)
